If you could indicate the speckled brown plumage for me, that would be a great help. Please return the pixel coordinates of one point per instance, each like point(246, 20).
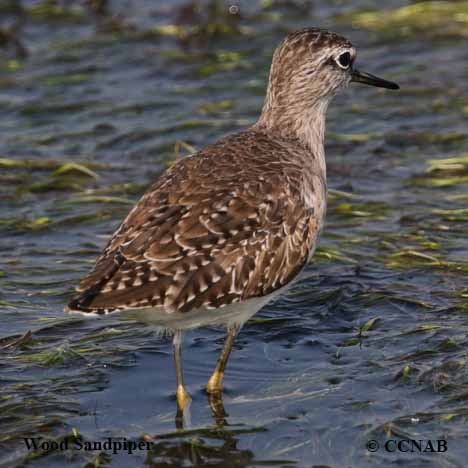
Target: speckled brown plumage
point(224, 225)
point(239, 219)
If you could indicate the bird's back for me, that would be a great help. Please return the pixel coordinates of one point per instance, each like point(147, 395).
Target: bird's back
point(234, 221)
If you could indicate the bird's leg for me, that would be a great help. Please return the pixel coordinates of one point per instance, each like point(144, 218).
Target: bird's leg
point(183, 398)
point(215, 384)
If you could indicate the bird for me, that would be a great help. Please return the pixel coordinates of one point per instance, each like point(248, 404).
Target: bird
point(227, 229)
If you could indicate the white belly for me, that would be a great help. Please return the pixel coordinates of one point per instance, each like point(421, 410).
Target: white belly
point(233, 314)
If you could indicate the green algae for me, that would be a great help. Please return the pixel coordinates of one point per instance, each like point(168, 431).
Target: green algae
point(215, 107)
point(445, 172)
point(52, 10)
point(427, 18)
point(75, 168)
point(25, 224)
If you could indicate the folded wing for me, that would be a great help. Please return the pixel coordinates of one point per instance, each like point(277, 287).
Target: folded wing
point(195, 240)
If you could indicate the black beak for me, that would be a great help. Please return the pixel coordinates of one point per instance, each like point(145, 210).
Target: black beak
point(371, 80)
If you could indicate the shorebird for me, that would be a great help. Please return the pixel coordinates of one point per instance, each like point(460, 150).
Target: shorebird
point(227, 229)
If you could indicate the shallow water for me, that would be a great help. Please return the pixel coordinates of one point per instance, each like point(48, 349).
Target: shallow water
point(371, 345)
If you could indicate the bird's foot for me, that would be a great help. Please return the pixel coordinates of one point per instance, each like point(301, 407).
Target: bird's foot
point(183, 407)
point(215, 384)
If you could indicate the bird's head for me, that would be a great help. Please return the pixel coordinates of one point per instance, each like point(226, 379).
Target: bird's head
point(310, 66)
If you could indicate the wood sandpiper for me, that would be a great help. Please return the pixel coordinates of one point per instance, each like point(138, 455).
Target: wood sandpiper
point(225, 230)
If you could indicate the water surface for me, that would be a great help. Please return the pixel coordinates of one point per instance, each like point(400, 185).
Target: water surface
point(370, 346)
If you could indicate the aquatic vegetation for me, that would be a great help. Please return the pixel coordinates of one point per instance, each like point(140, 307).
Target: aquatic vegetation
point(444, 172)
point(374, 338)
point(429, 18)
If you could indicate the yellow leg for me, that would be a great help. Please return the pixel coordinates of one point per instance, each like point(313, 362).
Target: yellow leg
point(183, 398)
point(215, 384)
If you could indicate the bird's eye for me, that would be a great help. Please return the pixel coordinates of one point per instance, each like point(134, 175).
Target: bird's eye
point(344, 60)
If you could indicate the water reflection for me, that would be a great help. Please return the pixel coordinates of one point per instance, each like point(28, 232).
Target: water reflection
point(208, 447)
point(183, 417)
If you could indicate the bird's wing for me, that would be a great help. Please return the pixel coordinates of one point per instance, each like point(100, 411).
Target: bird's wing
point(194, 242)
